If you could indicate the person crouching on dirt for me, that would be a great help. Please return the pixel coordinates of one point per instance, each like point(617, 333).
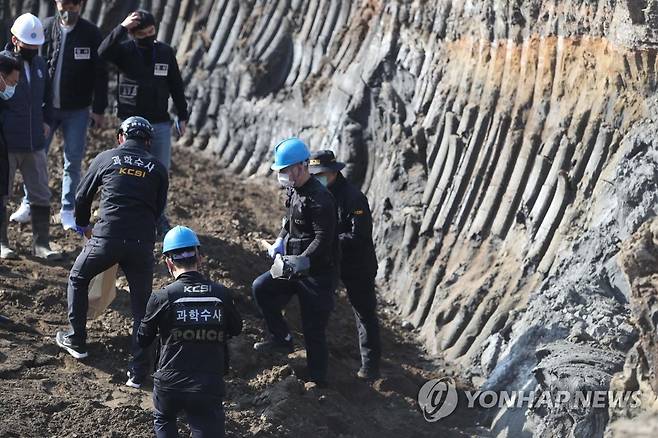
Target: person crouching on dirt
point(194, 317)
point(134, 192)
point(305, 261)
point(358, 264)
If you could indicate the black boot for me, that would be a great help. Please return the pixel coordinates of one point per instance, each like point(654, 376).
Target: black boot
point(5, 251)
point(41, 234)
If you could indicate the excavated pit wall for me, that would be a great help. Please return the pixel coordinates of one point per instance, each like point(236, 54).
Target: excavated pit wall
point(487, 136)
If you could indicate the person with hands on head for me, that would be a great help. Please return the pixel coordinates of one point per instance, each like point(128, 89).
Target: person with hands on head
point(305, 261)
point(148, 76)
point(358, 267)
point(194, 317)
point(79, 80)
point(25, 120)
point(134, 191)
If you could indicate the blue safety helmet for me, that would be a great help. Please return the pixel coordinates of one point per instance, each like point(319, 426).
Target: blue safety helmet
point(288, 152)
point(179, 237)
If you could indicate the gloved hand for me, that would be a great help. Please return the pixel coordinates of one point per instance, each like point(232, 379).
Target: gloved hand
point(276, 248)
point(290, 266)
point(83, 231)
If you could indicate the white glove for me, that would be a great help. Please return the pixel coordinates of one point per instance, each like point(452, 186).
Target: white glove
point(276, 248)
point(290, 267)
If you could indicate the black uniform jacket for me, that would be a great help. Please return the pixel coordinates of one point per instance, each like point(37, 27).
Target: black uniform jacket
point(310, 226)
point(83, 73)
point(358, 256)
point(194, 318)
point(148, 77)
point(134, 193)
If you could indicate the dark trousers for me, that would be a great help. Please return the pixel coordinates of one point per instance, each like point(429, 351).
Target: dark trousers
point(361, 293)
point(315, 302)
point(205, 413)
point(136, 260)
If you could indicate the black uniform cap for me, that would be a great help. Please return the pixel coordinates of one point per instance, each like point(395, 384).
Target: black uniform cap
point(324, 161)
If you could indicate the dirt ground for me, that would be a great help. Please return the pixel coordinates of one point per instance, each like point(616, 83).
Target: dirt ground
point(46, 393)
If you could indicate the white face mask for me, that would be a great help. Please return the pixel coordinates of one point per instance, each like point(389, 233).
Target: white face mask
point(284, 180)
point(8, 93)
point(323, 179)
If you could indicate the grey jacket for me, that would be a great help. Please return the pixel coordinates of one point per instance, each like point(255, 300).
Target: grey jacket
point(22, 117)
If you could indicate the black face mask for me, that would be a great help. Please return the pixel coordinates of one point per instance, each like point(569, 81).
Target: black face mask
point(69, 18)
point(146, 42)
point(27, 54)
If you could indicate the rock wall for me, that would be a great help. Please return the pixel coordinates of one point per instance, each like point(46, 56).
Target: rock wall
point(497, 141)
point(639, 261)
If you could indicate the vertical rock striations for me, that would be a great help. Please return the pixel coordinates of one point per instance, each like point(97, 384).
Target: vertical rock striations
point(497, 140)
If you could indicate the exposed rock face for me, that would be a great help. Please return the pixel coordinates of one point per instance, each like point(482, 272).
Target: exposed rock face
point(639, 261)
point(576, 329)
point(501, 144)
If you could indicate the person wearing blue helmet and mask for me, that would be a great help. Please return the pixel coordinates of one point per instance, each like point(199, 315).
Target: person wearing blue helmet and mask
point(305, 261)
point(194, 318)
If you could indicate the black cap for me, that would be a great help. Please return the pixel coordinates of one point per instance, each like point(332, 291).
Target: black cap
point(324, 161)
point(146, 19)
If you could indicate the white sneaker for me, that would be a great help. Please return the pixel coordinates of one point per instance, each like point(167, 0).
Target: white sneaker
point(22, 215)
point(6, 253)
point(133, 381)
point(67, 219)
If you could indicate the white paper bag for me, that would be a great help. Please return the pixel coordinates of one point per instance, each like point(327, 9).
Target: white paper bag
point(102, 291)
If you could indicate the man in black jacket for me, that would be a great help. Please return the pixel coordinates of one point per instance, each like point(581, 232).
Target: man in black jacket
point(10, 70)
point(194, 318)
point(358, 266)
point(149, 74)
point(78, 77)
point(134, 190)
point(306, 261)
